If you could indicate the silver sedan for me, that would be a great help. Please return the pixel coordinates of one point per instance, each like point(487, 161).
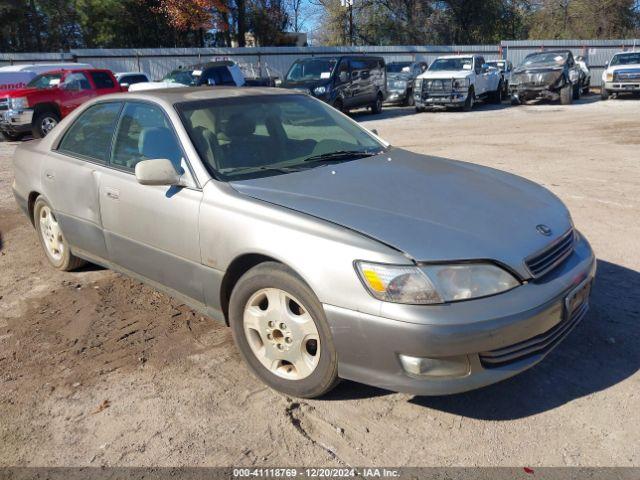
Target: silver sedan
point(330, 253)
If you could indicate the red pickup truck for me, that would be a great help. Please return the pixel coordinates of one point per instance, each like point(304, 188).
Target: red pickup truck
point(48, 98)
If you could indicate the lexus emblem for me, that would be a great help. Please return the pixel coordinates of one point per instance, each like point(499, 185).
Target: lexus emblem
point(543, 230)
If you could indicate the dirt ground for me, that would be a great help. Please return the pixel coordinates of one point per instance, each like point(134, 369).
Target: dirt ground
point(97, 369)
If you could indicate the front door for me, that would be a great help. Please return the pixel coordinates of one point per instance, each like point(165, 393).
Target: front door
point(151, 230)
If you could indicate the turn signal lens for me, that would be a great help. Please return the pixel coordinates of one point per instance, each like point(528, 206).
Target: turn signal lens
point(397, 283)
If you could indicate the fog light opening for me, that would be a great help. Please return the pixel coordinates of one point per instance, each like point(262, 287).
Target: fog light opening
point(443, 367)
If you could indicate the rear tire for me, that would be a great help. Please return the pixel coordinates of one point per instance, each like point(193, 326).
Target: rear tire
point(52, 239)
point(566, 94)
point(44, 123)
point(376, 107)
point(279, 327)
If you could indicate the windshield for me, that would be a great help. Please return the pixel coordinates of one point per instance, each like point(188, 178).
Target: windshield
point(46, 80)
point(550, 58)
point(185, 77)
point(440, 64)
point(626, 59)
point(312, 69)
point(397, 67)
point(251, 136)
point(499, 65)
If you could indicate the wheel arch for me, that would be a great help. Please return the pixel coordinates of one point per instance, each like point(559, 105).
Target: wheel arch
point(46, 107)
point(31, 202)
point(237, 268)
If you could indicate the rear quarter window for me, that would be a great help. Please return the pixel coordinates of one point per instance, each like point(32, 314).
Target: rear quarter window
point(102, 80)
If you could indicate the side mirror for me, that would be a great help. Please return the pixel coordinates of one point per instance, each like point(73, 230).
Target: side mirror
point(157, 172)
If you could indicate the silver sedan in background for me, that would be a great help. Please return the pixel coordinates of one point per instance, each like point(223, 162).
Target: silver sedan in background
point(330, 253)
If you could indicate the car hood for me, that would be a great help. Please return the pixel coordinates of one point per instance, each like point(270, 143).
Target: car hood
point(430, 208)
point(617, 68)
point(538, 69)
point(19, 92)
point(446, 74)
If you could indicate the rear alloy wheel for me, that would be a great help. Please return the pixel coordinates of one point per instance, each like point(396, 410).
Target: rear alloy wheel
point(280, 329)
point(566, 94)
point(376, 107)
point(52, 239)
point(44, 123)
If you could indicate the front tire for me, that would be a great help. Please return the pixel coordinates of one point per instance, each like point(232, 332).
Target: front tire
point(280, 328)
point(44, 123)
point(409, 101)
point(566, 94)
point(496, 97)
point(52, 239)
point(604, 94)
point(376, 107)
point(470, 101)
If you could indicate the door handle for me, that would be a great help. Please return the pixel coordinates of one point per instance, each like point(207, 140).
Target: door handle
point(50, 176)
point(112, 193)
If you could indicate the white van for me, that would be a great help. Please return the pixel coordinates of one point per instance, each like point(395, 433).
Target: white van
point(13, 77)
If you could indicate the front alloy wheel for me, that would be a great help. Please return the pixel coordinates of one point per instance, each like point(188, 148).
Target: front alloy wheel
point(281, 331)
point(44, 123)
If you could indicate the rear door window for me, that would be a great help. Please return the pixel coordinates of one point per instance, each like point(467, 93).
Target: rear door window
point(90, 134)
point(102, 80)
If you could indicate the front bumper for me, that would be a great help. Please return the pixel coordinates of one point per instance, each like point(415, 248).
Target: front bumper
point(450, 99)
point(531, 93)
point(622, 86)
point(396, 96)
point(16, 121)
point(482, 330)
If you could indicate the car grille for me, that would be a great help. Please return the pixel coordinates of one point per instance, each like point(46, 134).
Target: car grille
point(436, 86)
point(536, 346)
point(626, 75)
point(551, 256)
point(4, 104)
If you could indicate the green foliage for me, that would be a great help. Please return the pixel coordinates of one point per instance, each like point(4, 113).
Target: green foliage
point(418, 22)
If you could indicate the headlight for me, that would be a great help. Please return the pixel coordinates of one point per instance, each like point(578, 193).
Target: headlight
point(461, 84)
point(609, 77)
point(19, 103)
point(321, 90)
point(432, 284)
point(418, 83)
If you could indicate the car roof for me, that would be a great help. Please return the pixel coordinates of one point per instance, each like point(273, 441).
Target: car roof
point(467, 55)
point(550, 51)
point(130, 73)
point(188, 94)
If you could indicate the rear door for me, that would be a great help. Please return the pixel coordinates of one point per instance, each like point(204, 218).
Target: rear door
point(75, 89)
point(151, 230)
point(71, 177)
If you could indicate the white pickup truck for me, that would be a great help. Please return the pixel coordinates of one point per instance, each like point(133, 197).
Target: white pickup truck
point(457, 81)
point(622, 75)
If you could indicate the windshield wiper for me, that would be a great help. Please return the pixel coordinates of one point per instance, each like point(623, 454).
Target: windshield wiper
point(340, 155)
point(262, 168)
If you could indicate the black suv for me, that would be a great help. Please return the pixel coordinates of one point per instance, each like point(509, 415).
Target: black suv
point(344, 82)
